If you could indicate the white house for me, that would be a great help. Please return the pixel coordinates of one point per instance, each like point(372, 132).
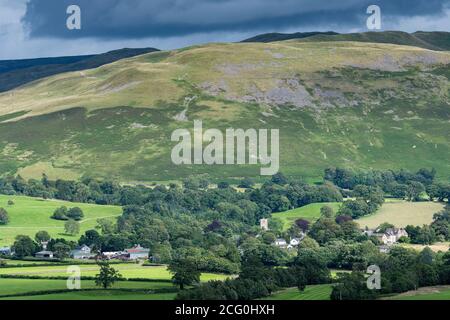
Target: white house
point(295, 242)
point(83, 252)
point(387, 239)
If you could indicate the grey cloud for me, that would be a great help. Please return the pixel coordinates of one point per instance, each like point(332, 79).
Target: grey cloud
point(116, 19)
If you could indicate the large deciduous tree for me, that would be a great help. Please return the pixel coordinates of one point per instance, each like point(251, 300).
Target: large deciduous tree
point(107, 276)
point(4, 217)
point(185, 272)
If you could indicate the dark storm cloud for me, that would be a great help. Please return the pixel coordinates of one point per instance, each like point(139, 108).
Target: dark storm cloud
point(165, 18)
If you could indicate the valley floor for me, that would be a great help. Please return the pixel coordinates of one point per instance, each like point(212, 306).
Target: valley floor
point(154, 283)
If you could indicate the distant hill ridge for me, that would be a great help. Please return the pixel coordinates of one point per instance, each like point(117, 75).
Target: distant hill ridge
point(439, 41)
point(15, 73)
point(272, 37)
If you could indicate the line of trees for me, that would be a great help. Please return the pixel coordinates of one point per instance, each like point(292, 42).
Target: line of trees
point(437, 231)
point(401, 271)
point(399, 184)
point(258, 280)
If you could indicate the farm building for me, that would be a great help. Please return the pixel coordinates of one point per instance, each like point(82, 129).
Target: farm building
point(138, 252)
point(83, 252)
point(113, 255)
point(119, 255)
point(44, 255)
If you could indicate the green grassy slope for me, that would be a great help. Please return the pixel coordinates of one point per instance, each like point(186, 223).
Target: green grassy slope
point(30, 215)
point(347, 104)
point(428, 293)
point(317, 292)
point(445, 295)
point(310, 212)
point(437, 39)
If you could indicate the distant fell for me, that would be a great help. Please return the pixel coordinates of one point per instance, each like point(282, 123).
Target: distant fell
point(273, 37)
point(438, 41)
point(15, 73)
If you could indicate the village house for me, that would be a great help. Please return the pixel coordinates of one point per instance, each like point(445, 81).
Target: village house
point(44, 255)
point(138, 253)
point(83, 252)
point(295, 242)
point(390, 237)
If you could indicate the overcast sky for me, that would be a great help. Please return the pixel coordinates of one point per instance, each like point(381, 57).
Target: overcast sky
point(37, 28)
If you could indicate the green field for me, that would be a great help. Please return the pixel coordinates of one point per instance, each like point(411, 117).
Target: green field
point(431, 293)
point(310, 212)
point(438, 246)
point(159, 288)
point(317, 292)
point(127, 270)
point(21, 286)
point(99, 295)
point(402, 213)
point(30, 215)
point(20, 263)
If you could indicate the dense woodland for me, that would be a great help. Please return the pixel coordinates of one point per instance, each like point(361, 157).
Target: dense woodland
point(197, 228)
